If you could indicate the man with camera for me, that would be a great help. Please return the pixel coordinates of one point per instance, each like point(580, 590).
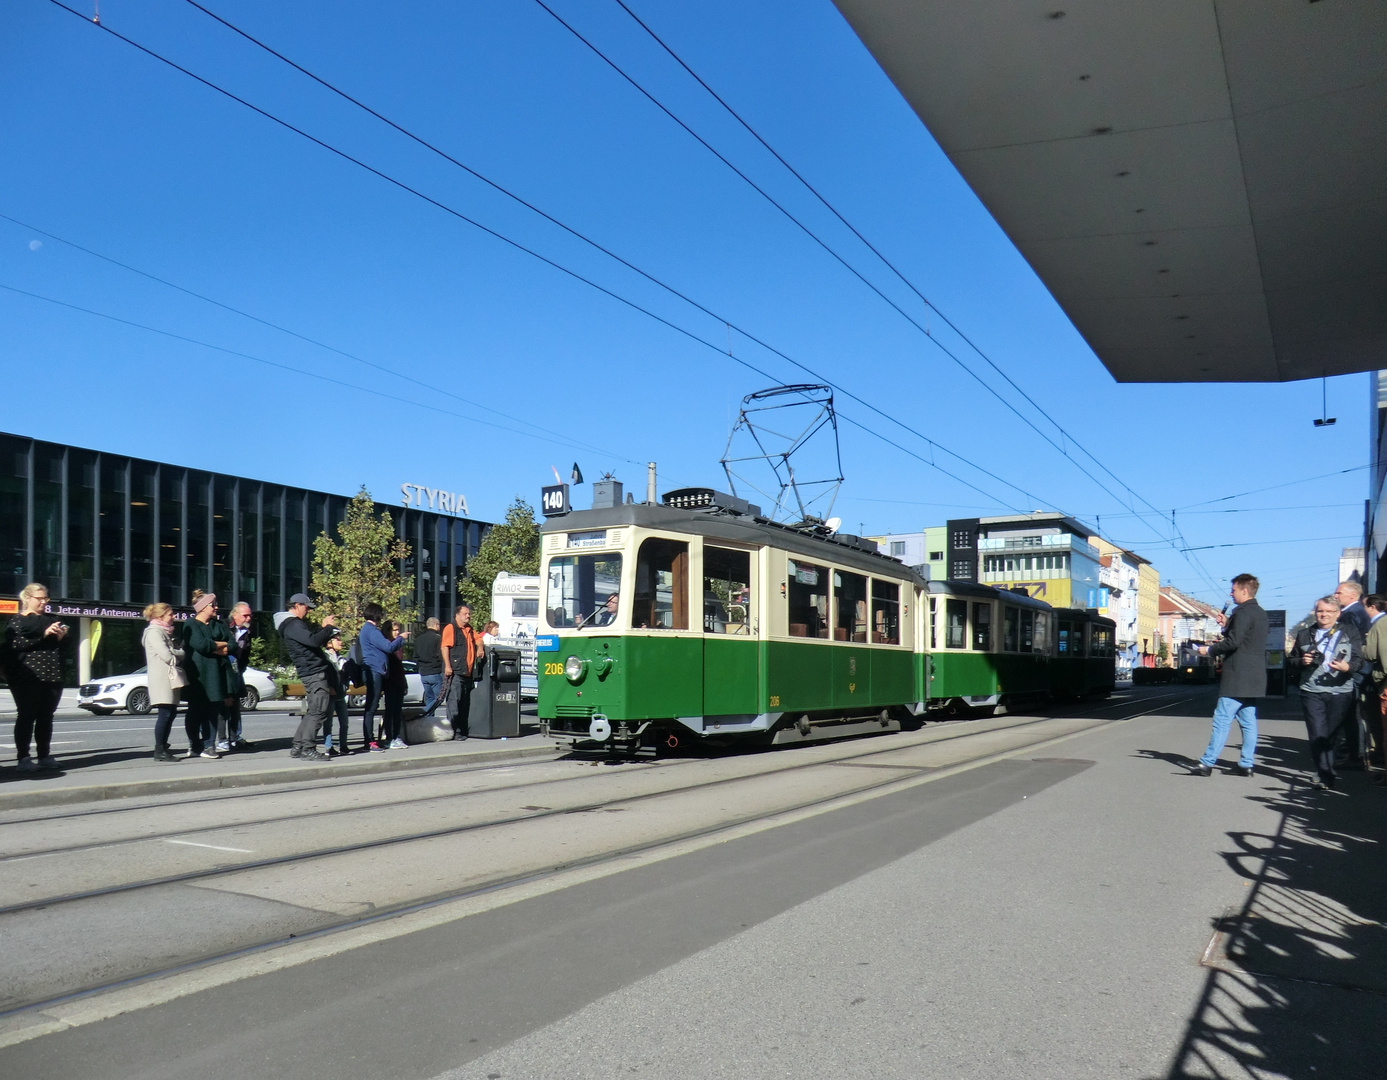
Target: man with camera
point(1244, 678)
point(1326, 656)
point(316, 671)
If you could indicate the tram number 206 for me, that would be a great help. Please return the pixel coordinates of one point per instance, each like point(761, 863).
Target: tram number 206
point(553, 669)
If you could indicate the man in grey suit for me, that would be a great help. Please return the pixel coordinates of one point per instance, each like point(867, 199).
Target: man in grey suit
point(1244, 680)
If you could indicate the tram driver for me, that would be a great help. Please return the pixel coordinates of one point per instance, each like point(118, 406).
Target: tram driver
point(606, 614)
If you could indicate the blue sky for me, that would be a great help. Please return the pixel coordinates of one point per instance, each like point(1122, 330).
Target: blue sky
point(113, 151)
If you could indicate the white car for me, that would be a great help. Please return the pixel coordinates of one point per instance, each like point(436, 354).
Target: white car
point(414, 688)
point(104, 696)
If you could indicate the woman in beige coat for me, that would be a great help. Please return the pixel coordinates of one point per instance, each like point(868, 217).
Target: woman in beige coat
point(164, 663)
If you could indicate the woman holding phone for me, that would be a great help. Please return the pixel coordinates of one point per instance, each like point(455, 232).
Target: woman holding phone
point(34, 641)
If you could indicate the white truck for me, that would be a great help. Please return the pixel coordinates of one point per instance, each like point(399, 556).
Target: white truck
point(515, 607)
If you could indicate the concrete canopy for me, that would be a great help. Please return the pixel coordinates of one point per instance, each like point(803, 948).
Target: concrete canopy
point(1201, 184)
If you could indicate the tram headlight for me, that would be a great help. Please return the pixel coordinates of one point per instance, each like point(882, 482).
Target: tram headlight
point(574, 668)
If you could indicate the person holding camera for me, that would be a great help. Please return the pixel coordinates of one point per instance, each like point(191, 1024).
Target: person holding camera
point(1244, 677)
point(34, 665)
point(1326, 656)
point(316, 671)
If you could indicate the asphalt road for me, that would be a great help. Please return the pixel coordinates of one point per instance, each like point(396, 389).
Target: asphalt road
point(1020, 899)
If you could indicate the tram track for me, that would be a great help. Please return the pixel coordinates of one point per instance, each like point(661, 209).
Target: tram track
point(396, 802)
point(533, 876)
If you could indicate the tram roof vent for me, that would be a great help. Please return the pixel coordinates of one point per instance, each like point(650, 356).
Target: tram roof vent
point(713, 502)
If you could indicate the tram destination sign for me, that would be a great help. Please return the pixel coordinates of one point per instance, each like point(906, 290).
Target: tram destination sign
point(553, 500)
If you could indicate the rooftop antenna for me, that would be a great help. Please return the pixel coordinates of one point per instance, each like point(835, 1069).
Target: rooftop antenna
point(1324, 420)
point(775, 431)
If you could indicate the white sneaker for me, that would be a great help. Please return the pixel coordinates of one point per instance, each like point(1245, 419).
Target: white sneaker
point(209, 753)
point(223, 748)
point(48, 761)
point(26, 764)
point(398, 744)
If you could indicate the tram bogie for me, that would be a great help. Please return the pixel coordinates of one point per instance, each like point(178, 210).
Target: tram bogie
point(703, 622)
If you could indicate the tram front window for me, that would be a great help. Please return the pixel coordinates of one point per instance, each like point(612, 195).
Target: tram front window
point(584, 591)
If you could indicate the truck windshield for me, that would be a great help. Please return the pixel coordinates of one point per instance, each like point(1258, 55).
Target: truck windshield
point(583, 591)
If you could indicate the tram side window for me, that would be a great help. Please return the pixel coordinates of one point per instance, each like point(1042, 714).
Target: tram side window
point(956, 624)
point(850, 600)
point(1027, 630)
point(933, 644)
point(1042, 632)
point(886, 612)
point(1101, 642)
point(1011, 629)
point(808, 598)
point(982, 627)
point(579, 588)
point(662, 586)
point(726, 591)
point(1062, 642)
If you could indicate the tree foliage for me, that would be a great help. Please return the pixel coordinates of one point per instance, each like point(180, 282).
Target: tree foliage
point(361, 567)
point(512, 546)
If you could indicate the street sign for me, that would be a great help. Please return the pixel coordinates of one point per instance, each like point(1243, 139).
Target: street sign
point(553, 500)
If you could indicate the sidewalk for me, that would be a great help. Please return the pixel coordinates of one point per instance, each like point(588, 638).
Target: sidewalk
point(102, 775)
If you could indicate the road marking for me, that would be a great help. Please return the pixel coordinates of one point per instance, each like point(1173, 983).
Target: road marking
point(214, 847)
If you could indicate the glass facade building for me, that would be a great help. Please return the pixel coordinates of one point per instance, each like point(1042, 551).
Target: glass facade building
point(111, 529)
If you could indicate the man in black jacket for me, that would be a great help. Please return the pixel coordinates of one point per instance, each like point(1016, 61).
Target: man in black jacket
point(428, 656)
point(1244, 680)
point(316, 671)
point(238, 652)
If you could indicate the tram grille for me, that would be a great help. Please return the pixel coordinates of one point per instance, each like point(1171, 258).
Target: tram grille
point(572, 719)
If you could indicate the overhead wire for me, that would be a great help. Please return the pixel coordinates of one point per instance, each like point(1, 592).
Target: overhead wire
point(1278, 487)
point(433, 387)
point(572, 273)
point(577, 234)
point(1159, 513)
point(301, 371)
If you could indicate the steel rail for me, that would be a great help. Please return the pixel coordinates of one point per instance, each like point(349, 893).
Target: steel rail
point(505, 881)
point(404, 838)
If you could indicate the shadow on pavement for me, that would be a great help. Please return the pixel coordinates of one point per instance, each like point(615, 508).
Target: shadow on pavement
point(1297, 982)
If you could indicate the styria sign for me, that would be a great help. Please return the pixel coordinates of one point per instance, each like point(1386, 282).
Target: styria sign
point(434, 498)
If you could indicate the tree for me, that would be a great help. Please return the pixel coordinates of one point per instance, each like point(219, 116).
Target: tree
point(512, 546)
point(361, 567)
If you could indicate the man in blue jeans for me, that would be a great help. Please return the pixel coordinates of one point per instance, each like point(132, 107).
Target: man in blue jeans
point(1244, 679)
point(428, 656)
point(374, 649)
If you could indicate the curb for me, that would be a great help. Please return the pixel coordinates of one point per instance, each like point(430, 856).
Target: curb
point(134, 788)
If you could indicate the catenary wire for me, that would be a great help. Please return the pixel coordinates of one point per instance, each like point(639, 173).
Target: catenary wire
point(1277, 487)
point(1160, 514)
point(582, 236)
point(558, 266)
point(432, 387)
point(878, 253)
point(288, 367)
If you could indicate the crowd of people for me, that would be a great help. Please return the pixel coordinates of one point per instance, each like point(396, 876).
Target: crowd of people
point(199, 663)
point(1339, 662)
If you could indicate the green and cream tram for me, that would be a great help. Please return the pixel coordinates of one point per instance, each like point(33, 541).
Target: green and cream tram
point(700, 619)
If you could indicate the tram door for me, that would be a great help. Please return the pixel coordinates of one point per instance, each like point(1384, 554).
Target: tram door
point(731, 650)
